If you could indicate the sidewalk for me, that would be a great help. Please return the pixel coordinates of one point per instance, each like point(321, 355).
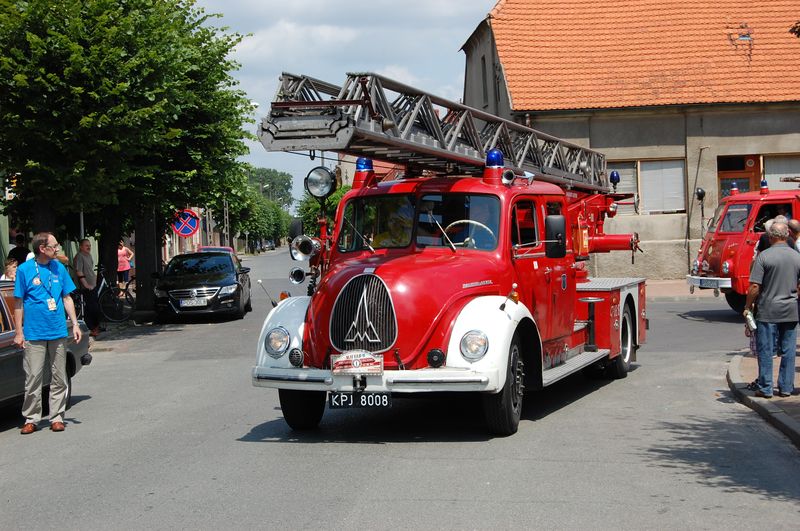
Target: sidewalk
point(783, 413)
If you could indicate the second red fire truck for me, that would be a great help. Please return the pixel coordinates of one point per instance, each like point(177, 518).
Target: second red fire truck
point(467, 273)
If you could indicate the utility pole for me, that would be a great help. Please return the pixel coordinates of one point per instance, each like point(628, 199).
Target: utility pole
point(227, 224)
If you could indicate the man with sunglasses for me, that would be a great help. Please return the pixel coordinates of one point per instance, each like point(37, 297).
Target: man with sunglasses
point(41, 293)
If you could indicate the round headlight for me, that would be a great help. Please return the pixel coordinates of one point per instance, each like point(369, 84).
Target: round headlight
point(474, 345)
point(320, 182)
point(276, 342)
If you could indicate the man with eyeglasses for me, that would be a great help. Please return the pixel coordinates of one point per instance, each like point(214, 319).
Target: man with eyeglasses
point(41, 294)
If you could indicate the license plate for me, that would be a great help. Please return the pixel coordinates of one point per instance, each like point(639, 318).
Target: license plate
point(193, 302)
point(708, 283)
point(357, 362)
point(348, 400)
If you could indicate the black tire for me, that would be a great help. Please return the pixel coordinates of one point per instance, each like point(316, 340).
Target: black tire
point(620, 365)
point(735, 301)
point(248, 307)
point(302, 410)
point(241, 308)
point(116, 305)
point(504, 409)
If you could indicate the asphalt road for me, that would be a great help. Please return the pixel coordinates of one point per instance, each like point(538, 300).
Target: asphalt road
point(166, 431)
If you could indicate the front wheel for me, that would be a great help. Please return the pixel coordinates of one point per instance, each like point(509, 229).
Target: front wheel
point(116, 305)
point(620, 365)
point(302, 410)
point(504, 409)
point(735, 301)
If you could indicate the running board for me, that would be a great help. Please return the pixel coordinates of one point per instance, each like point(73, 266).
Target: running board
point(574, 364)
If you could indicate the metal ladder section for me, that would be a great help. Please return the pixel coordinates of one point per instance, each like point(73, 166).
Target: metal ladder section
point(376, 117)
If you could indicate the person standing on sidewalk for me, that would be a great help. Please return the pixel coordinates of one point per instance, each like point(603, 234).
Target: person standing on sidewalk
point(774, 282)
point(41, 294)
point(84, 270)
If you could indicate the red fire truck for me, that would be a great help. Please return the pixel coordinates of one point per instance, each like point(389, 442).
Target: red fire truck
point(467, 273)
point(726, 252)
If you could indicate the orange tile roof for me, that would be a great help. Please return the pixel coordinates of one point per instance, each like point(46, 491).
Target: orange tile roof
point(584, 54)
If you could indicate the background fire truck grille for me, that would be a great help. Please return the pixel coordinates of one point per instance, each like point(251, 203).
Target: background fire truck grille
point(363, 316)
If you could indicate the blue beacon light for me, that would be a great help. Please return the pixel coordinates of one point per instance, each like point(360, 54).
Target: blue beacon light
point(614, 177)
point(364, 164)
point(494, 159)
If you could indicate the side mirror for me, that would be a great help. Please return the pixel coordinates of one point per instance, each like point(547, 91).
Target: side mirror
point(244, 270)
point(555, 227)
point(295, 228)
point(700, 194)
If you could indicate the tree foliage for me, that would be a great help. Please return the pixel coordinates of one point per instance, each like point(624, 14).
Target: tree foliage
point(110, 105)
point(273, 184)
point(309, 209)
point(258, 217)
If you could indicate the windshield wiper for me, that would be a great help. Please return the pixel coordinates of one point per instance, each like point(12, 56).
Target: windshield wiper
point(446, 237)
point(363, 239)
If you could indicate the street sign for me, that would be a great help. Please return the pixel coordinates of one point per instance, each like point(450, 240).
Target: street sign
point(186, 223)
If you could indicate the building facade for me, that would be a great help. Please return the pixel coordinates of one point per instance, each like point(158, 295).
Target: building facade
point(680, 98)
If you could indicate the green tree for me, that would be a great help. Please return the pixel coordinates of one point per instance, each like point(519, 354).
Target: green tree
point(111, 106)
point(274, 185)
point(309, 209)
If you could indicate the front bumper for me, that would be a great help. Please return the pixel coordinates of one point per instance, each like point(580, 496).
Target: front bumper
point(216, 304)
point(708, 282)
point(410, 381)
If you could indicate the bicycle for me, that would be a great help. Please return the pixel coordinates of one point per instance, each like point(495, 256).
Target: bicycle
point(116, 304)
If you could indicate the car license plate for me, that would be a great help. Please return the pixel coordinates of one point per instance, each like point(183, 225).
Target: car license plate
point(357, 362)
point(348, 400)
point(708, 283)
point(193, 302)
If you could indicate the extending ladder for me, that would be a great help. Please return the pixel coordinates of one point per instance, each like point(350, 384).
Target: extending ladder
point(376, 117)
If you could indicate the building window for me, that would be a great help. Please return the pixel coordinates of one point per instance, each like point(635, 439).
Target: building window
point(780, 166)
point(659, 186)
point(662, 185)
point(484, 81)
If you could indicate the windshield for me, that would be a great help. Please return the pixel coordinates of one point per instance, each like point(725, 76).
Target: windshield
point(735, 219)
point(199, 265)
point(468, 220)
point(712, 224)
point(383, 221)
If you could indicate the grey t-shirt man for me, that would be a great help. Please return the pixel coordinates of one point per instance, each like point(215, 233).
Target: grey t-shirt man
point(777, 271)
point(84, 267)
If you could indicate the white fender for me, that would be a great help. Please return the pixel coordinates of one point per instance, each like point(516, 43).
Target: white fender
point(484, 314)
point(290, 314)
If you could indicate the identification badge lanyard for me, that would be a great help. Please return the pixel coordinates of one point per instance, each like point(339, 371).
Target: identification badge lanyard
point(51, 301)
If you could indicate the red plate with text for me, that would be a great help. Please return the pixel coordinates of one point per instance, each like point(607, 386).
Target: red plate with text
point(357, 362)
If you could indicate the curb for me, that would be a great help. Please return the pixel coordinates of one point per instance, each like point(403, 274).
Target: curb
point(679, 298)
point(769, 411)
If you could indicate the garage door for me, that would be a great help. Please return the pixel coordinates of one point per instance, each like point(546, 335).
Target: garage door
point(776, 167)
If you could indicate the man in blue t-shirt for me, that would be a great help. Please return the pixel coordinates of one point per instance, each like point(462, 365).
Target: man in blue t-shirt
point(41, 293)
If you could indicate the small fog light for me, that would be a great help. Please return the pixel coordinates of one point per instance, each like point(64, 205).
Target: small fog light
point(296, 357)
point(435, 358)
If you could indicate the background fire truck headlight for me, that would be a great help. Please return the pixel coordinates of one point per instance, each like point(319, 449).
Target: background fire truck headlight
point(726, 267)
point(320, 182)
point(474, 345)
point(276, 342)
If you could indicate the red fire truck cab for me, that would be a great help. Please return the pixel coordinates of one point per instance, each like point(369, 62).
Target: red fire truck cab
point(728, 247)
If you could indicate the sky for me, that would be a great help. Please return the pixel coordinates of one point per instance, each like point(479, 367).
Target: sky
point(417, 42)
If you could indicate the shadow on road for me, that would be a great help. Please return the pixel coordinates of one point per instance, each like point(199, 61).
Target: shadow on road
point(717, 454)
point(712, 316)
point(447, 417)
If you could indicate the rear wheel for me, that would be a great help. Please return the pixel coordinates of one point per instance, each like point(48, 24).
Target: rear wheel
point(620, 365)
point(504, 409)
point(116, 305)
point(302, 410)
point(735, 301)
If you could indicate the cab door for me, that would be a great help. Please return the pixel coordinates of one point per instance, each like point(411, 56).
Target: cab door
point(12, 374)
point(560, 278)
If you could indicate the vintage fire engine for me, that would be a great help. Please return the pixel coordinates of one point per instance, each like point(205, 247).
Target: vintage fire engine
point(467, 273)
point(728, 247)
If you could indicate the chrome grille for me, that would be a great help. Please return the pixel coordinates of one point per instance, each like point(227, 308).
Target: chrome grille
point(198, 292)
point(363, 316)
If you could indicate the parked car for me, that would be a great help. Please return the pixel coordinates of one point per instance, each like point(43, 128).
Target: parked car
point(204, 282)
point(12, 375)
point(215, 249)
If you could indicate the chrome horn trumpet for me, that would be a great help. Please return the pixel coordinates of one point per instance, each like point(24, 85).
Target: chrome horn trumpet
point(297, 275)
point(303, 248)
